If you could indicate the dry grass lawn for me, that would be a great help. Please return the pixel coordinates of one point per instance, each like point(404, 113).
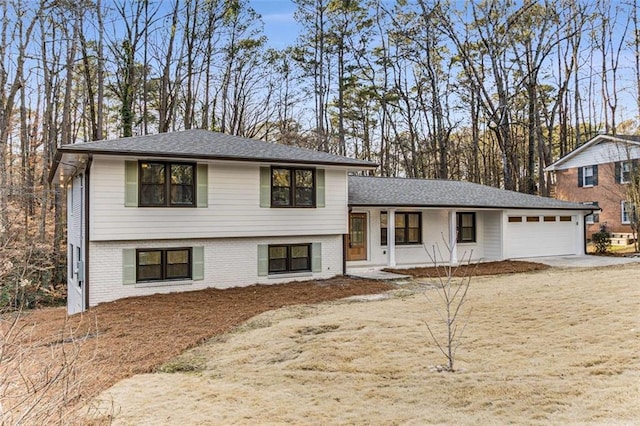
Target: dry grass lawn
point(558, 346)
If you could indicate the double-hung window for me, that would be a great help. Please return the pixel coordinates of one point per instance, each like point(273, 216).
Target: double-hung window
point(289, 258)
point(593, 217)
point(466, 230)
point(163, 264)
point(587, 176)
point(408, 228)
point(626, 169)
point(627, 212)
point(165, 184)
point(293, 187)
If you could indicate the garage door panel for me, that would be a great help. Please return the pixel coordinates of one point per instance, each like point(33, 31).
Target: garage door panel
point(530, 239)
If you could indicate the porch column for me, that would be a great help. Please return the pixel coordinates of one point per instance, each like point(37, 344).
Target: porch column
point(391, 237)
point(453, 237)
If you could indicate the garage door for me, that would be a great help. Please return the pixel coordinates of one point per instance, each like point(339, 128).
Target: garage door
point(530, 236)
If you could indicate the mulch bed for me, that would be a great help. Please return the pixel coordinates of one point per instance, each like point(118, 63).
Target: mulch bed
point(474, 269)
point(116, 340)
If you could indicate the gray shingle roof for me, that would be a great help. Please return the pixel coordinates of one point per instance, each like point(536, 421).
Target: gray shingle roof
point(380, 191)
point(203, 144)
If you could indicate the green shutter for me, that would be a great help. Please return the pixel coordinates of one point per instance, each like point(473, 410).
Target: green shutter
point(263, 260)
point(128, 266)
point(316, 257)
point(265, 186)
point(131, 184)
point(203, 186)
point(197, 263)
point(320, 188)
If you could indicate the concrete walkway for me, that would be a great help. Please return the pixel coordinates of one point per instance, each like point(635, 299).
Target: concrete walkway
point(585, 261)
point(375, 274)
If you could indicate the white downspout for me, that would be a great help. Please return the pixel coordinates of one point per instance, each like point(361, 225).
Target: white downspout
point(391, 237)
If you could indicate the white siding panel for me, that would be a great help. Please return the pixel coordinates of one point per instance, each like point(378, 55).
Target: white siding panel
point(228, 262)
point(234, 208)
point(601, 153)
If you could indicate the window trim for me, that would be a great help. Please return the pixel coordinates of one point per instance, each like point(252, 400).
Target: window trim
point(167, 183)
point(289, 269)
point(163, 264)
point(385, 242)
point(292, 187)
point(630, 172)
point(459, 227)
point(584, 177)
point(622, 212)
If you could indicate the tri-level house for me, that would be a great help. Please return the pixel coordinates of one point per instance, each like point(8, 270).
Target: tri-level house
point(598, 173)
point(195, 209)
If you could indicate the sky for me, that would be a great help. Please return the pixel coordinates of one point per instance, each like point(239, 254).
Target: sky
point(279, 25)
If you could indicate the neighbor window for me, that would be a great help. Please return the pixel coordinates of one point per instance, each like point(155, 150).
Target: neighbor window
point(167, 184)
point(291, 187)
point(628, 212)
point(626, 168)
point(289, 258)
point(593, 217)
point(408, 228)
point(466, 227)
point(163, 264)
point(588, 176)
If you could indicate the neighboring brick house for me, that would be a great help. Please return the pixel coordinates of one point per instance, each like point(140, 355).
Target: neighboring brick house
point(598, 172)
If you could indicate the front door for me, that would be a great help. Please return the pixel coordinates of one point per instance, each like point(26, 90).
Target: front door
point(357, 241)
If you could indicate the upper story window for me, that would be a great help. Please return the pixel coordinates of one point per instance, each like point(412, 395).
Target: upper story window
point(167, 184)
point(293, 187)
point(408, 227)
point(624, 169)
point(588, 176)
point(466, 227)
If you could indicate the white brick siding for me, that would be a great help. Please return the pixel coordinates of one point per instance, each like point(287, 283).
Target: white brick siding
point(228, 262)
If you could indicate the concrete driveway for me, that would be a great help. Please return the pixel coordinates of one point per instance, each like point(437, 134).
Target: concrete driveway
point(585, 261)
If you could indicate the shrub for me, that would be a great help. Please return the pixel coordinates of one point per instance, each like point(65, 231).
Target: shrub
point(602, 242)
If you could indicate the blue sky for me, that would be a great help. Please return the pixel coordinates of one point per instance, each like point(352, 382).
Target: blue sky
point(279, 26)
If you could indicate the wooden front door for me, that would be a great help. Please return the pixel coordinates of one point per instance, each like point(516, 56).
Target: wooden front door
point(357, 240)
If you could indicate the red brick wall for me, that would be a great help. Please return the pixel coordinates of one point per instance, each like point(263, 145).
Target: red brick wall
point(607, 193)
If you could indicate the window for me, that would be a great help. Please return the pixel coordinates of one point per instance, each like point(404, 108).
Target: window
point(628, 212)
point(549, 219)
point(626, 168)
point(533, 218)
point(289, 258)
point(466, 227)
point(292, 187)
point(593, 217)
point(588, 176)
point(515, 219)
point(565, 218)
point(163, 264)
point(167, 184)
point(408, 228)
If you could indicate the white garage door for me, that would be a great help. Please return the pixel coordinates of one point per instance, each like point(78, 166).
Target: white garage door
point(530, 236)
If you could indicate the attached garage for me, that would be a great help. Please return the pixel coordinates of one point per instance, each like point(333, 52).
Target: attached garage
point(535, 234)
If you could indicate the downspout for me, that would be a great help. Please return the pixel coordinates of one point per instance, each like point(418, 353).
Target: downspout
point(584, 230)
point(86, 231)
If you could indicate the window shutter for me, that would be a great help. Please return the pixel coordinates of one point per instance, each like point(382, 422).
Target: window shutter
point(265, 186)
point(203, 186)
point(580, 171)
point(595, 175)
point(320, 188)
point(131, 184)
point(316, 257)
point(618, 172)
point(197, 263)
point(128, 266)
point(263, 260)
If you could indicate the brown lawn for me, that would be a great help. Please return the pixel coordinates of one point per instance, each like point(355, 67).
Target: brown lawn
point(559, 346)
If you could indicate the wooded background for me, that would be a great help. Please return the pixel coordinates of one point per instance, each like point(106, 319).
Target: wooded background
point(487, 91)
